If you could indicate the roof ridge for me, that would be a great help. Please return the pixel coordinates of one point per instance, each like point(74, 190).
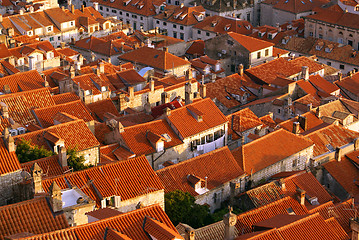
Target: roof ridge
point(310, 216)
point(21, 203)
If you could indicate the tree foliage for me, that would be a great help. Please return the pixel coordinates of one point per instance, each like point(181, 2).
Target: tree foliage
point(74, 161)
point(181, 207)
point(27, 152)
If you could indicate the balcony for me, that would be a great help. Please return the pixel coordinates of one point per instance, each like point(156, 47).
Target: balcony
point(209, 145)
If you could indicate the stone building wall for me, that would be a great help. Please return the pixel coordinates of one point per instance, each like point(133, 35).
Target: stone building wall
point(147, 199)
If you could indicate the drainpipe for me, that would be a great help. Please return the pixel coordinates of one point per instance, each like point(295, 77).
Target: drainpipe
point(154, 160)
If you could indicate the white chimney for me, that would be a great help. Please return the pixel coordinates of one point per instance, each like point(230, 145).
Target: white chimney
point(32, 63)
point(95, 5)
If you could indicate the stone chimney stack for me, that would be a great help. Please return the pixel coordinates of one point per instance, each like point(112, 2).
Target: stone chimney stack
point(295, 129)
point(55, 197)
point(131, 91)
point(230, 220)
point(305, 73)
point(82, 8)
point(4, 110)
point(73, 9)
point(340, 76)
point(63, 157)
point(317, 113)
point(152, 85)
point(36, 174)
point(203, 90)
point(303, 122)
point(301, 196)
point(354, 226)
point(240, 69)
point(338, 154)
point(95, 5)
point(356, 144)
point(188, 93)
point(282, 184)
point(189, 233)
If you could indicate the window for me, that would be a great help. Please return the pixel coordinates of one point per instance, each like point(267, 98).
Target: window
point(233, 68)
point(199, 31)
point(209, 138)
point(357, 8)
point(294, 164)
point(169, 1)
point(278, 110)
point(311, 34)
point(248, 17)
point(329, 63)
point(177, 3)
point(127, 14)
point(258, 55)
point(207, 34)
point(174, 34)
point(158, 22)
point(181, 27)
point(101, 8)
point(164, 24)
point(59, 38)
point(320, 36)
point(114, 11)
point(141, 18)
point(174, 26)
point(107, 9)
point(51, 39)
point(266, 52)
point(49, 29)
point(350, 42)
point(341, 66)
point(120, 12)
point(182, 36)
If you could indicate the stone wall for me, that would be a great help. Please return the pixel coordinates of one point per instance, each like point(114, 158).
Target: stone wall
point(92, 155)
point(13, 189)
point(156, 197)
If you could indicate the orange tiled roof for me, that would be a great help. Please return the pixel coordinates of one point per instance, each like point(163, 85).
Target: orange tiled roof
point(33, 216)
point(128, 225)
point(219, 24)
point(250, 43)
point(20, 104)
point(100, 108)
point(312, 122)
point(243, 120)
point(45, 116)
point(187, 125)
point(134, 177)
point(159, 230)
point(196, 48)
point(218, 166)
point(4, 51)
point(65, 98)
point(137, 139)
point(278, 145)
point(328, 138)
point(182, 15)
point(23, 81)
point(74, 133)
point(50, 166)
point(350, 84)
point(8, 160)
point(154, 58)
point(246, 220)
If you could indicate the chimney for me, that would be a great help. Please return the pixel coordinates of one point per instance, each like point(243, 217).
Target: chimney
point(305, 72)
point(36, 174)
point(310, 106)
point(167, 111)
point(340, 76)
point(203, 90)
point(240, 69)
point(62, 157)
point(301, 196)
point(189, 233)
point(354, 226)
point(338, 154)
point(188, 74)
point(109, 60)
point(188, 93)
point(82, 8)
point(295, 128)
point(95, 5)
point(182, 5)
point(101, 68)
point(303, 122)
point(55, 197)
point(131, 92)
point(4, 110)
point(72, 72)
point(349, 74)
point(152, 85)
point(72, 9)
point(317, 112)
point(230, 220)
point(10, 144)
point(0, 18)
point(282, 184)
point(21, 12)
point(356, 144)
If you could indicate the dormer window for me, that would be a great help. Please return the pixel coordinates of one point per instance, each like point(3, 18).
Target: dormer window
point(319, 46)
point(197, 114)
point(103, 88)
point(261, 34)
point(87, 92)
point(199, 184)
point(214, 23)
point(270, 36)
point(183, 16)
point(160, 145)
point(227, 27)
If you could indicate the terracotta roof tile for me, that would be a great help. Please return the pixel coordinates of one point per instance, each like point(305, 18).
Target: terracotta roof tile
point(50, 166)
point(154, 58)
point(159, 230)
point(139, 143)
point(8, 160)
point(45, 116)
point(182, 15)
point(75, 134)
point(187, 125)
point(311, 119)
point(279, 144)
point(24, 81)
point(20, 104)
point(219, 24)
point(250, 43)
point(218, 165)
point(103, 213)
point(328, 138)
point(135, 177)
point(100, 108)
point(243, 120)
point(196, 48)
point(33, 216)
point(296, 6)
point(65, 98)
